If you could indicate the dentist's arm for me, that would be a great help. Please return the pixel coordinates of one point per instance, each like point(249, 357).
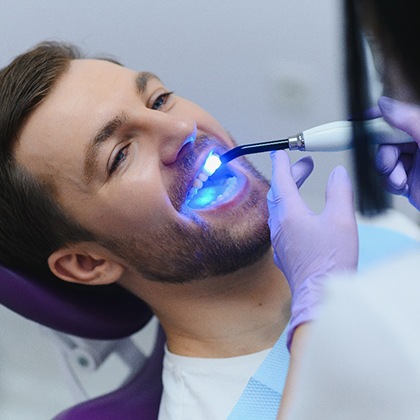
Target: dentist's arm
point(400, 164)
point(309, 247)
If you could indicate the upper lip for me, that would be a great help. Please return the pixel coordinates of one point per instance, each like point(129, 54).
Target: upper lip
point(188, 142)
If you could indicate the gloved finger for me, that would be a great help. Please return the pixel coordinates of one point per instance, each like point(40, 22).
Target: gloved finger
point(387, 158)
point(401, 115)
point(302, 169)
point(388, 155)
point(397, 179)
point(368, 114)
point(373, 112)
point(413, 190)
point(339, 194)
point(282, 183)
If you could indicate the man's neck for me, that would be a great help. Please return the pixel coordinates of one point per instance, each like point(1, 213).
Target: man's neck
point(227, 316)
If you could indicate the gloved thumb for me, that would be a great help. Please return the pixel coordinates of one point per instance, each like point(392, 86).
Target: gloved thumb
point(302, 169)
point(282, 182)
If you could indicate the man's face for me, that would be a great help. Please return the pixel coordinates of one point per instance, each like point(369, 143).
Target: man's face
point(125, 155)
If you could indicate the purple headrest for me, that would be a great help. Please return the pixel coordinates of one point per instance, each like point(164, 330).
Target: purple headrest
point(97, 312)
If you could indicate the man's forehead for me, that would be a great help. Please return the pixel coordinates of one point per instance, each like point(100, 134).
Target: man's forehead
point(103, 65)
point(89, 85)
point(87, 68)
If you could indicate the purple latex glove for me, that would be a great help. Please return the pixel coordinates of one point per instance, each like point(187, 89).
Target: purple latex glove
point(301, 170)
point(309, 247)
point(400, 164)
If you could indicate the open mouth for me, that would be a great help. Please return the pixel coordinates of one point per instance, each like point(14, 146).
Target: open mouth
point(210, 189)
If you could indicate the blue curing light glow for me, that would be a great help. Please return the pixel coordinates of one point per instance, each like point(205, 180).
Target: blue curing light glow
point(212, 164)
point(212, 185)
point(205, 198)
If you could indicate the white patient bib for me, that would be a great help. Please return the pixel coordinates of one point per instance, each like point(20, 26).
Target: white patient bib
point(204, 388)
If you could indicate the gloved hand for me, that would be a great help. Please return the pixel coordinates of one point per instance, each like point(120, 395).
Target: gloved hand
point(400, 164)
point(309, 247)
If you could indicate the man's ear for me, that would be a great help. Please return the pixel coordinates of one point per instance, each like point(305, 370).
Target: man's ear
point(85, 263)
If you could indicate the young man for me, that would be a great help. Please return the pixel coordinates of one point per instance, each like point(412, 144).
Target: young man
point(102, 182)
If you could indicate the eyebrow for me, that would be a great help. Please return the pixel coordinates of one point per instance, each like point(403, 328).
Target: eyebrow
point(143, 78)
point(110, 128)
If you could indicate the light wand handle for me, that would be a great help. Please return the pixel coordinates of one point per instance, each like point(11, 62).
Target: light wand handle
point(338, 136)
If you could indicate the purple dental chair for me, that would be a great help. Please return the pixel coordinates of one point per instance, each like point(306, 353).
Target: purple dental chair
point(110, 313)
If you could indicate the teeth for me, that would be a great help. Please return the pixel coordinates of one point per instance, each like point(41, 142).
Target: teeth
point(230, 185)
point(198, 183)
point(206, 172)
point(227, 186)
point(193, 192)
point(204, 177)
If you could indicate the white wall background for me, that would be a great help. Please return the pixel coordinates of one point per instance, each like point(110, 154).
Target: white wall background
point(266, 69)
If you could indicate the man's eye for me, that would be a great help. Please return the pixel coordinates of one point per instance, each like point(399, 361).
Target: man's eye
point(120, 157)
point(161, 100)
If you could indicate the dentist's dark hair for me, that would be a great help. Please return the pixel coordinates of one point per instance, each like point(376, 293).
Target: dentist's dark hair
point(371, 197)
point(32, 224)
point(395, 27)
point(395, 23)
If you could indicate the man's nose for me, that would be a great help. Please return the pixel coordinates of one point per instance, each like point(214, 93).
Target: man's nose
point(172, 133)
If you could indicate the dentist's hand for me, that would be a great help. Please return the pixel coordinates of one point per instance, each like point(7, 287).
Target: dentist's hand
point(400, 164)
point(309, 247)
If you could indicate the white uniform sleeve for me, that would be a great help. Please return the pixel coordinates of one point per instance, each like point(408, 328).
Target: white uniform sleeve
point(363, 357)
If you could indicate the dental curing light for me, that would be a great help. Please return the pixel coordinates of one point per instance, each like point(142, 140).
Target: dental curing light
point(331, 137)
point(214, 185)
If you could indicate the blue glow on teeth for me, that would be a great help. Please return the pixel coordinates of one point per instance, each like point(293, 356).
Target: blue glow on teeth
point(211, 195)
point(207, 190)
point(200, 201)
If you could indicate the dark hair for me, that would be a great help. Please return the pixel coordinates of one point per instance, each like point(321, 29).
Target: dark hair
point(395, 26)
point(371, 197)
point(32, 225)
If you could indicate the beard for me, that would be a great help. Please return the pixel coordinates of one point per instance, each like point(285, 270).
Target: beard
point(177, 252)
